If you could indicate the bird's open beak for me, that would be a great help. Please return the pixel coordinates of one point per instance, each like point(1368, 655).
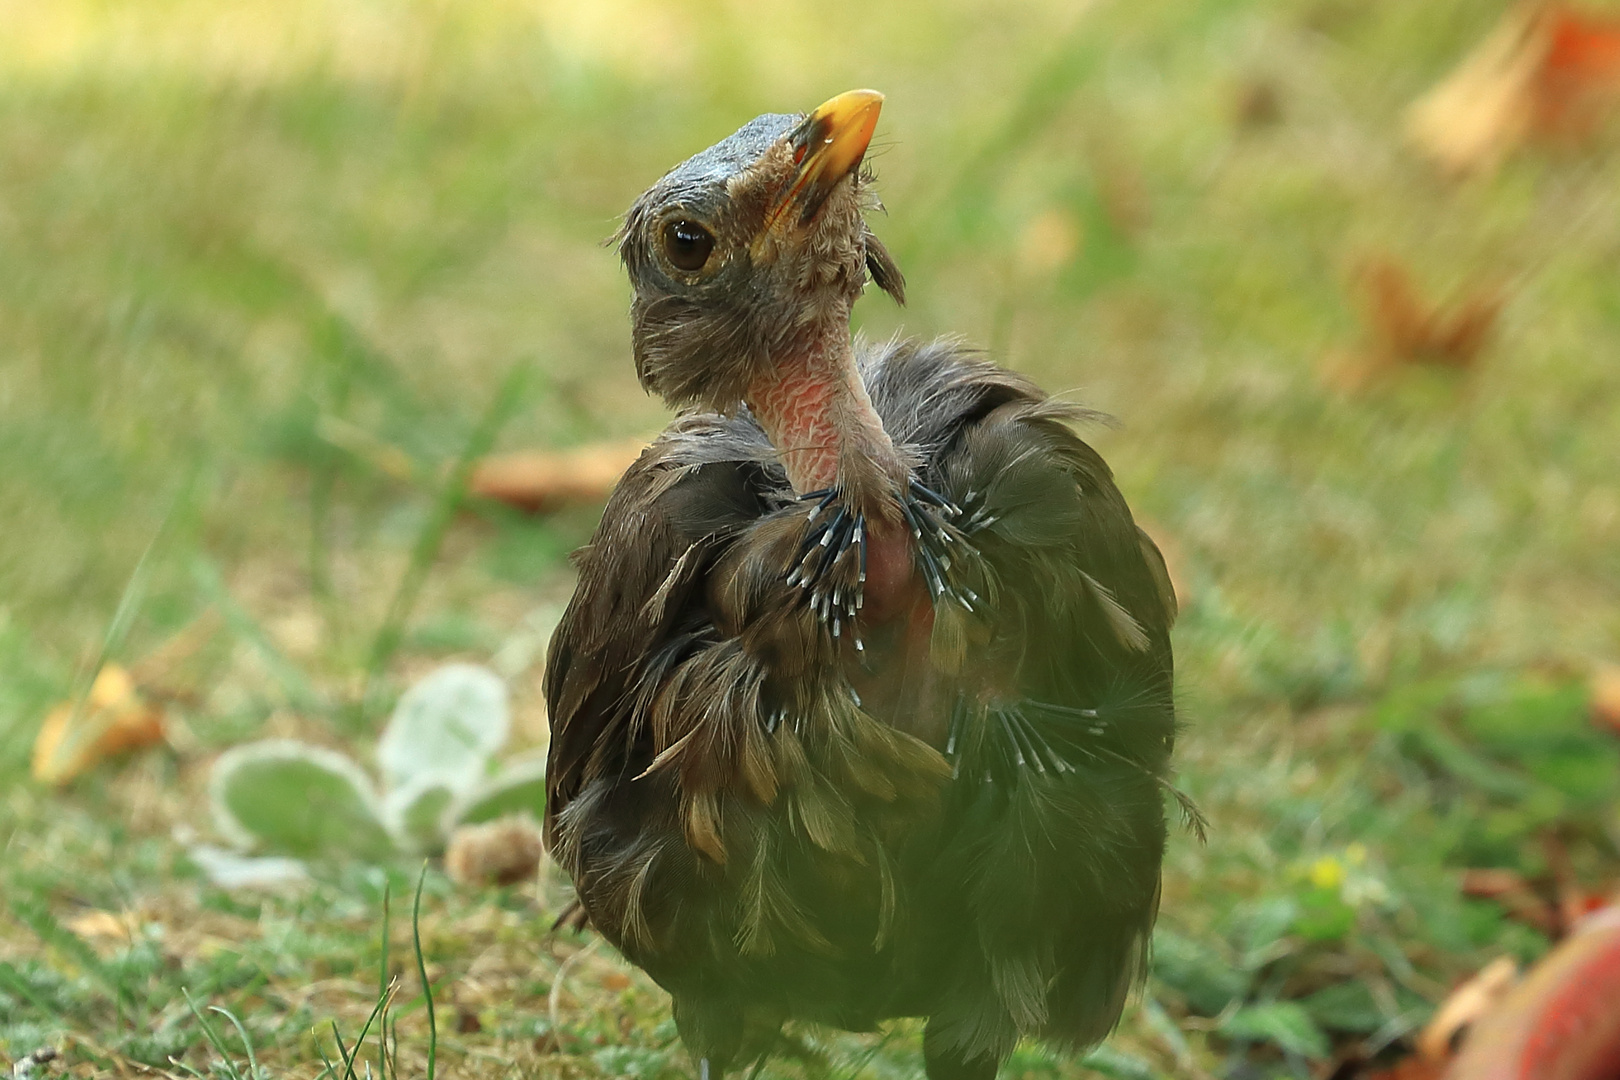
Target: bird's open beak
point(827, 147)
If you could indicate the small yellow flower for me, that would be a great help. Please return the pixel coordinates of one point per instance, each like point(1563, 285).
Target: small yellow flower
point(1327, 873)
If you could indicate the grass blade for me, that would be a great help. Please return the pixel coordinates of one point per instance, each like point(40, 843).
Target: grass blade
point(12, 981)
point(428, 540)
point(129, 605)
point(213, 1037)
point(343, 1053)
point(421, 971)
point(294, 686)
point(330, 1071)
point(381, 1008)
point(382, 984)
point(38, 918)
point(247, 1043)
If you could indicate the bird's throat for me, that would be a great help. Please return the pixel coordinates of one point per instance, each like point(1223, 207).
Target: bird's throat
point(817, 413)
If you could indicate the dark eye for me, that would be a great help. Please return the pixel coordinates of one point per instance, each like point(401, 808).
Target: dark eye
point(687, 244)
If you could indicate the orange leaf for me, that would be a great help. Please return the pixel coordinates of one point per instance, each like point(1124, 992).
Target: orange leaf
point(1605, 689)
point(539, 480)
point(1545, 70)
point(1580, 73)
point(113, 718)
point(1486, 107)
point(1406, 328)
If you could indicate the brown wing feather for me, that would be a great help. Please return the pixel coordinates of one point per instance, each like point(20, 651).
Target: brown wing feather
point(638, 578)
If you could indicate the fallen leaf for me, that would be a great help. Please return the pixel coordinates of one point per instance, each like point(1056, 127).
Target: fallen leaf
point(1412, 331)
point(1579, 79)
point(1484, 109)
point(104, 925)
point(1411, 1068)
point(1516, 896)
point(1575, 902)
point(1605, 690)
point(1545, 70)
point(615, 981)
point(1406, 329)
point(539, 480)
point(1464, 1006)
point(112, 719)
point(1257, 103)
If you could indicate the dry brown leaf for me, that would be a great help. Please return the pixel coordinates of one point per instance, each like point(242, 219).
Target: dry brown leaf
point(1257, 103)
point(540, 480)
point(103, 924)
point(1546, 70)
point(1484, 109)
point(1575, 902)
point(113, 718)
point(1465, 1005)
point(1412, 1068)
point(1605, 690)
point(1516, 896)
point(106, 931)
point(1406, 329)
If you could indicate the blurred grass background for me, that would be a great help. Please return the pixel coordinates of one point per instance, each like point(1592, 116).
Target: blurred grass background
point(252, 253)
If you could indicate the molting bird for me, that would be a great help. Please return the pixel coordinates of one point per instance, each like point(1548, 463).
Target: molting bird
point(862, 708)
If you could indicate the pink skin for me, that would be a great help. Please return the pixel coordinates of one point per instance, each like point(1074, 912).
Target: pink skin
point(815, 410)
point(794, 406)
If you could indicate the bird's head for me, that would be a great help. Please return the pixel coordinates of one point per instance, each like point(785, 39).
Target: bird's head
point(752, 251)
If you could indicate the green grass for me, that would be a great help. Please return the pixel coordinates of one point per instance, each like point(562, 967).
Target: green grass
point(252, 253)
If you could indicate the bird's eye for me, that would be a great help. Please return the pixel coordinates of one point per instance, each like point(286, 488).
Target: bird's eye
point(687, 244)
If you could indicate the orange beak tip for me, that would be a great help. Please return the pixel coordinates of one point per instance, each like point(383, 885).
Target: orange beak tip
point(838, 132)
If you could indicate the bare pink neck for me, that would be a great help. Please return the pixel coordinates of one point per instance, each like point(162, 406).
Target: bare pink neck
point(818, 415)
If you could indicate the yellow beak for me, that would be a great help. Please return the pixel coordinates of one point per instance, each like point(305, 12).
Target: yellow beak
point(827, 147)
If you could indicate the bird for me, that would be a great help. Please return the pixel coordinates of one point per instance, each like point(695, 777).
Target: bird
point(863, 705)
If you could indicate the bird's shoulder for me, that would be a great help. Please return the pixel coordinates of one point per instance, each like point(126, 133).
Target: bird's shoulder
point(1041, 502)
point(684, 497)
